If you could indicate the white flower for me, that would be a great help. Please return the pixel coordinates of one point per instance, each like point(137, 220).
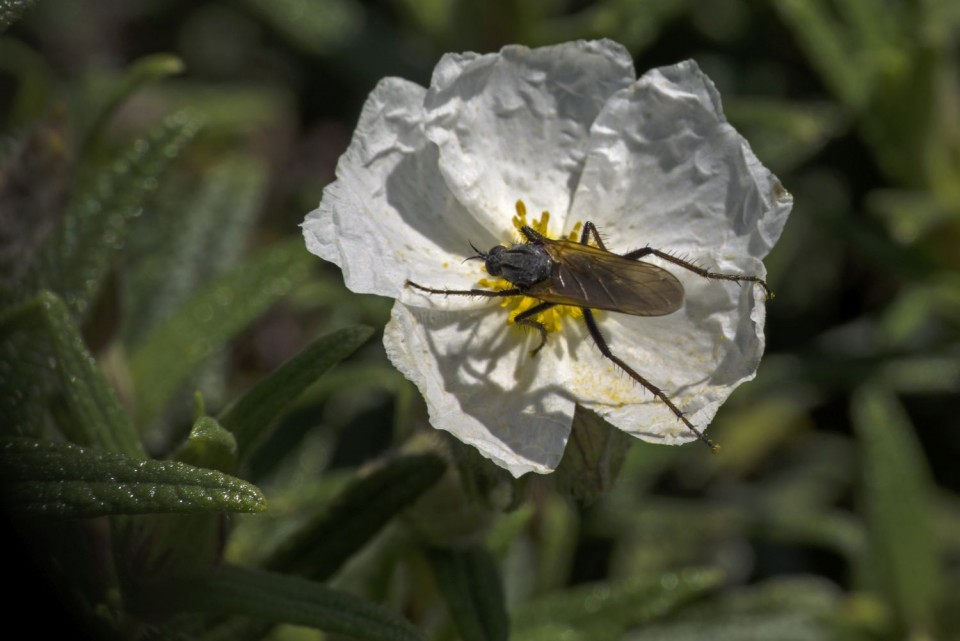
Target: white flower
point(565, 129)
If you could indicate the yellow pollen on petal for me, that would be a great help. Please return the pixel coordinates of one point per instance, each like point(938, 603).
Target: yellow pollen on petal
point(552, 319)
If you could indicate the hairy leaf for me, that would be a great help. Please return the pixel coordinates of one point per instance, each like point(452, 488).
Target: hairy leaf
point(42, 326)
point(213, 315)
point(141, 72)
point(60, 479)
point(11, 10)
point(76, 256)
point(621, 604)
point(198, 232)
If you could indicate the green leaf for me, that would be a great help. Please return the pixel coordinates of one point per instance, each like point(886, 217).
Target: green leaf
point(831, 47)
point(782, 626)
point(617, 19)
point(230, 110)
point(878, 31)
point(357, 514)
point(321, 29)
point(266, 596)
point(558, 535)
point(909, 215)
point(897, 491)
point(621, 604)
point(76, 257)
point(199, 329)
point(141, 72)
point(789, 609)
point(11, 10)
point(785, 134)
point(209, 445)
point(469, 582)
point(196, 233)
point(250, 415)
point(64, 480)
point(98, 418)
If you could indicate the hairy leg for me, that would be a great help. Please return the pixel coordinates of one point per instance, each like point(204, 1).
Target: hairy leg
point(488, 293)
point(696, 269)
point(656, 391)
point(527, 319)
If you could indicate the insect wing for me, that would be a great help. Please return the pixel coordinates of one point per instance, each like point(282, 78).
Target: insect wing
point(587, 276)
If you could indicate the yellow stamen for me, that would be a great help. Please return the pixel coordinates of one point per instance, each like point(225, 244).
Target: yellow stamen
point(552, 319)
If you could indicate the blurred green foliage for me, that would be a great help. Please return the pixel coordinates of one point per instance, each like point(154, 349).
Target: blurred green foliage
point(172, 356)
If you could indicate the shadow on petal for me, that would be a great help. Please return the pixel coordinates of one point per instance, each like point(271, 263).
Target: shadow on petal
point(416, 189)
point(482, 385)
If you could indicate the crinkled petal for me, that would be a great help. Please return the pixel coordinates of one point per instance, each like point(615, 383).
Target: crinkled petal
point(482, 385)
point(390, 216)
point(514, 125)
point(697, 356)
point(566, 129)
point(665, 169)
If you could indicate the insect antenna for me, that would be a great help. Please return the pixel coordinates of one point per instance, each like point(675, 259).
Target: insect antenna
point(478, 256)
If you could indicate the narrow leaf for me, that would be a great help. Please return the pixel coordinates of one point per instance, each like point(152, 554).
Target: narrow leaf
point(786, 609)
point(318, 32)
point(277, 598)
point(60, 479)
point(11, 10)
point(897, 490)
point(141, 72)
point(249, 416)
point(34, 169)
point(785, 134)
point(77, 255)
point(161, 363)
point(623, 604)
point(98, 418)
point(358, 513)
point(831, 48)
point(197, 232)
point(470, 584)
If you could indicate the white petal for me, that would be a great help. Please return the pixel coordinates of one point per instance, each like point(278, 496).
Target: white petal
point(697, 356)
point(513, 125)
point(665, 169)
point(390, 216)
point(482, 385)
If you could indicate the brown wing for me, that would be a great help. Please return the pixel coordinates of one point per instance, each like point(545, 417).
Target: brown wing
point(586, 276)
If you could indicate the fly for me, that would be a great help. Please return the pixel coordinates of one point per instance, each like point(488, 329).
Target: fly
point(578, 274)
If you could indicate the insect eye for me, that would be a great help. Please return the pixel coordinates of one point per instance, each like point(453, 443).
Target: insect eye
point(494, 259)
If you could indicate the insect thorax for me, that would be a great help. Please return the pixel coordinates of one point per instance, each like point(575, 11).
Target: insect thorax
point(523, 265)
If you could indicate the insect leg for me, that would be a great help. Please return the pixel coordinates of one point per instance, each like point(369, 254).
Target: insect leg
point(531, 234)
point(656, 391)
point(526, 319)
point(737, 278)
point(489, 293)
point(590, 229)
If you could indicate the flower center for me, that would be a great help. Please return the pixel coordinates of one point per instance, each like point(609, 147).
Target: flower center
point(552, 319)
